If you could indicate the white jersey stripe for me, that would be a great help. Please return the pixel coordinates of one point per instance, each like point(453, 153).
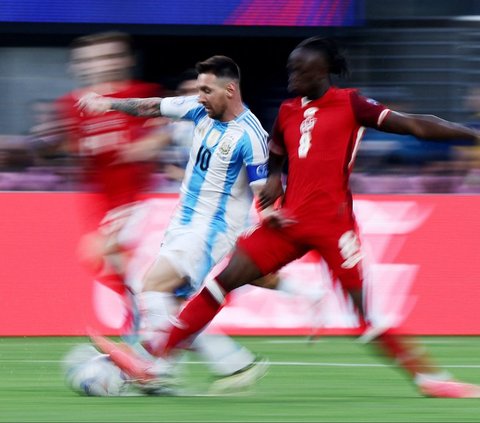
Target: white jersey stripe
point(382, 116)
point(256, 127)
point(358, 138)
point(216, 196)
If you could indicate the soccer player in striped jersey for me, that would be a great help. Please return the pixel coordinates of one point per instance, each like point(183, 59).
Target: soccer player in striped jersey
point(318, 131)
point(227, 164)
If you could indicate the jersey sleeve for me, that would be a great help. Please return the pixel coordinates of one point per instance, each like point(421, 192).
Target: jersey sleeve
point(367, 111)
point(186, 108)
point(255, 157)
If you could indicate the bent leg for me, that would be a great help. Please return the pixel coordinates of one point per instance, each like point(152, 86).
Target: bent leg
point(200, 310)
point(157, 301)
point(159, 304)
point(241, 270)
point(344, 256)
point(253, 258)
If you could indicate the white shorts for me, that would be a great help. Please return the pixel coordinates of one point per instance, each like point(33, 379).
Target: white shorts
point(194, 250)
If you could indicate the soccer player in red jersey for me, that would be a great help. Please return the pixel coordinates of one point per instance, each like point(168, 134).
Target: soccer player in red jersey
point(116, 152)
point(319, 132)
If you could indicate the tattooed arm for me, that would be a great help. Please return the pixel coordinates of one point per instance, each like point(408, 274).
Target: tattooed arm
point(96, 104)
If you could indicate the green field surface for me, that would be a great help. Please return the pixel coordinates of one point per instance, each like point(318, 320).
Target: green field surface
point(334, 379)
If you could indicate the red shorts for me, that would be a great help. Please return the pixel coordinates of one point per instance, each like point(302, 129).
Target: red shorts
point(337, 243)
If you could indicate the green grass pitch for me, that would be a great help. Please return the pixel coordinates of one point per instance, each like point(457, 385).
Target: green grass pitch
point(332, 380)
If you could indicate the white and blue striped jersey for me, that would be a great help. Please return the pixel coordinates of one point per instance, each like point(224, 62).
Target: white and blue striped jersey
point(226, 159)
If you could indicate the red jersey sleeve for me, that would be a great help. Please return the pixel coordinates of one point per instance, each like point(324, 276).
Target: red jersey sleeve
point(276, 143)
point(368, 112)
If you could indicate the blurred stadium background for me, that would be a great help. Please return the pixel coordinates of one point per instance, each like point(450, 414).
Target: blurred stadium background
point(420, 57)
point(412, 56)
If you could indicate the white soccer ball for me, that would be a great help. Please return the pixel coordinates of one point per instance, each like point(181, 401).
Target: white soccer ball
point(90, 373)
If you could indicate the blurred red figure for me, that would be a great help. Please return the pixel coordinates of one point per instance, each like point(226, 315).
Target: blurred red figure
point(319, 132)
point(116, 151)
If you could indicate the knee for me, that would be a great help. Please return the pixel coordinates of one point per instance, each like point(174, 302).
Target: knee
point(161, 279)
point(241, 270)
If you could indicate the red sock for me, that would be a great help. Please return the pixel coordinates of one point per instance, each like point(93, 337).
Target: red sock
point(197, 313)
point(410, 357)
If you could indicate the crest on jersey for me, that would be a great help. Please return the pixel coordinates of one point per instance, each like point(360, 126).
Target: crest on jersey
point(212, 138)
point(225, 146)
point(310, 112)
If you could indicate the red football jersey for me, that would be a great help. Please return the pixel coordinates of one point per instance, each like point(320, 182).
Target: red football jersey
point(321, 138)
point(98, 139)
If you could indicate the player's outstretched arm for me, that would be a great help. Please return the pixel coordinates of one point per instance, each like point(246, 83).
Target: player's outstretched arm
point(96, 104)
point(427, 127)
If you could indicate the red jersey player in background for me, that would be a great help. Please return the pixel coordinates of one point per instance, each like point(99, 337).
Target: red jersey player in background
point(116, 151)
point(319, 132)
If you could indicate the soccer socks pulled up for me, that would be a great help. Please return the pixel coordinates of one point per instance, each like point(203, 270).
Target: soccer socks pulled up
point(223, 355)
point(156, 309)
point(411, 357)
point(197, 313)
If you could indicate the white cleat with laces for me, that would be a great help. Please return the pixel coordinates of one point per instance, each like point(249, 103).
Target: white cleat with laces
point(242, 380)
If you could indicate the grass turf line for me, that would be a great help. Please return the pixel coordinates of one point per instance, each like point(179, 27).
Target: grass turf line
point(332, 380)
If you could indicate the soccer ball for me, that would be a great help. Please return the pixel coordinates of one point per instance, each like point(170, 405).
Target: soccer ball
point(88, 372)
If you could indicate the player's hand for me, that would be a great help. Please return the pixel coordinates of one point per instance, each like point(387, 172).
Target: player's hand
point(278, 219)
point(272, 190)
point(94, 104)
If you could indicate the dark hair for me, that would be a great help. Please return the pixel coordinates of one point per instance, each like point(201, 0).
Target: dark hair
point(102, 37)
point(187, 75)
point(337, 62)
point(220, 66)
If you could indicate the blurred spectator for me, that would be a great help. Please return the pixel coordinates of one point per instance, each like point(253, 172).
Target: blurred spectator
point(401, 164)
point(18, 172)
point(174, 158)
point(472, 106)
point(47, 138)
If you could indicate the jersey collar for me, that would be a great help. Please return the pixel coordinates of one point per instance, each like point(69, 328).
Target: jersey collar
point(304, 101)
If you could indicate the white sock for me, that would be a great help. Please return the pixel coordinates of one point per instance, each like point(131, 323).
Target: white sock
point(421, 378)
point(223, 354)
point(155, 310)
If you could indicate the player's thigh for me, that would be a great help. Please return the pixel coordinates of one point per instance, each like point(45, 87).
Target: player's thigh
point(162, 276)
point(269, 249)
point(193, 253)
point(342, 251)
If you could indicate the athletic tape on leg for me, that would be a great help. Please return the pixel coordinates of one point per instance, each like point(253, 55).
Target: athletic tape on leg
point(216, 290)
